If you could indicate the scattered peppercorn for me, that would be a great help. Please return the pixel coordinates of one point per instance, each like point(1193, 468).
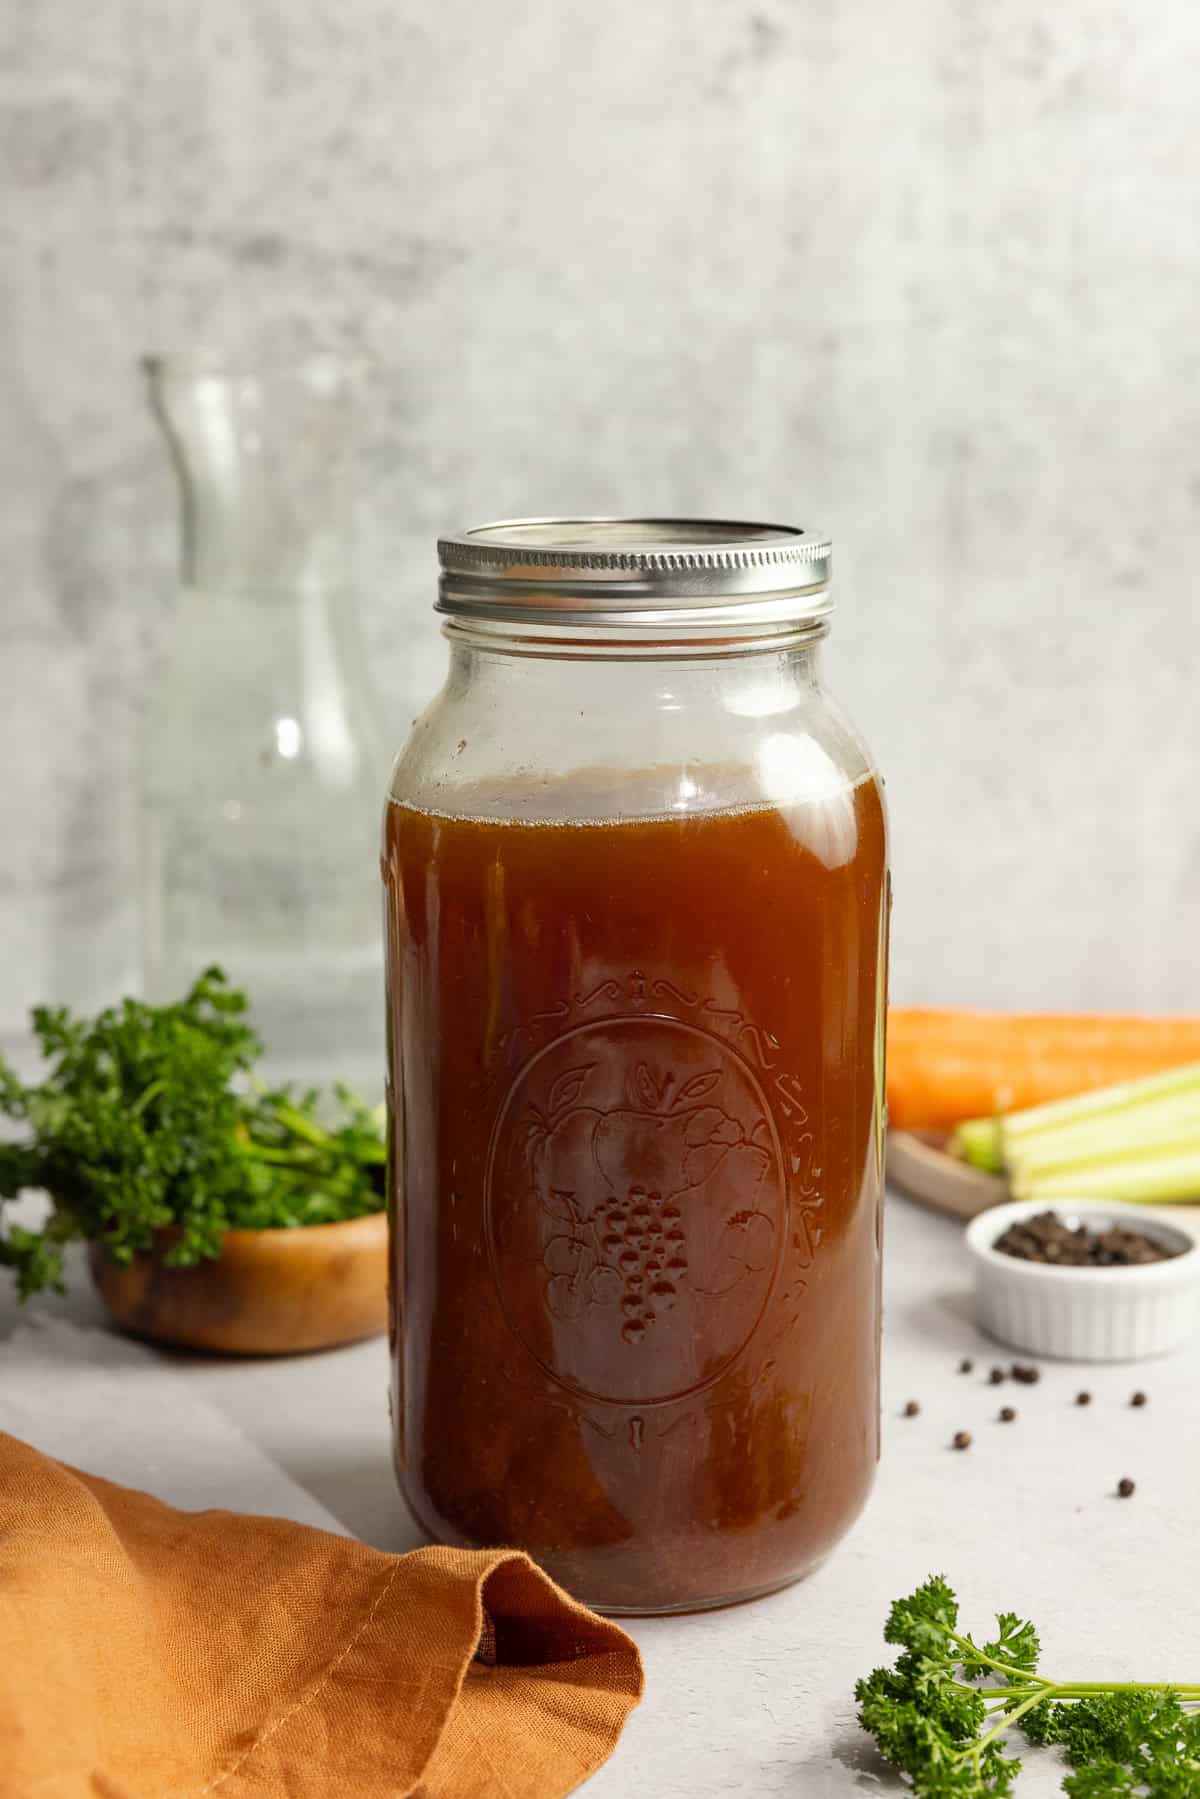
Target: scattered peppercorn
point(962, 1439)
point(1026, 1373)
point(1138, 1399)
point(966, 1365)
point(1083, 1399)
point(911, 1409)
point(1126, 1488)
point(1006, 1414)
point(996, 1376)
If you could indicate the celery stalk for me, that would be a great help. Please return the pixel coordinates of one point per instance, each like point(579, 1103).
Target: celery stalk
point(978, 1141)
point(1138, 1138)
point(1134, 1128)
point(1128, 1154)
point(1101, 1102)
point(1173, 1173)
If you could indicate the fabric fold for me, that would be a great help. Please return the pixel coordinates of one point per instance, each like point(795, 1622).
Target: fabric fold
point(148, 1653)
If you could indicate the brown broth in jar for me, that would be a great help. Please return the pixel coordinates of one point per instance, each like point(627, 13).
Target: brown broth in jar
point(636, 1092)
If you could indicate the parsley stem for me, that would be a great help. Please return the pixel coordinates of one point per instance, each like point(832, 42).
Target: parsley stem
point(1078, 1689)
point(1030, 1696)
point(1009, 1718)
point(288, 1158)
point(143, 1100)
point(300, 1126)
point(1022, 1675)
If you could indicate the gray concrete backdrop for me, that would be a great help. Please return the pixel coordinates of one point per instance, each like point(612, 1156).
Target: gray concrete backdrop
point(923, 274)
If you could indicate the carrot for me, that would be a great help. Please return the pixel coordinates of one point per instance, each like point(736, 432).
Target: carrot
point(947, 1066)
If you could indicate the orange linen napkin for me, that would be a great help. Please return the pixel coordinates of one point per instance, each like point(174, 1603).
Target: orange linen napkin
point(147, 1653)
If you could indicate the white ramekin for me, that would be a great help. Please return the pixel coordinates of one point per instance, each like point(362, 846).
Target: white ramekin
point(1086, 1314)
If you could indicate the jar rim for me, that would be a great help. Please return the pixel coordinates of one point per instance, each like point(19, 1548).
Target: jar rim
point(635, 573)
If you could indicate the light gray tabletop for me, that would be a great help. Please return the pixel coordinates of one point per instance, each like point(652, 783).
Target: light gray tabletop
point(755, 1700)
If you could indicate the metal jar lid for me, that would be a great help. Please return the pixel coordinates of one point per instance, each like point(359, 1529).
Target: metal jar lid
point(638, 573)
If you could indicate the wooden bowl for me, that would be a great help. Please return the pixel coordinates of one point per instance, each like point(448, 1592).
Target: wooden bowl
point(268, 1293)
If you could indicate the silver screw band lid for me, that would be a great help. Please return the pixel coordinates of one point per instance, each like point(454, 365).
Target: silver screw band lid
point(633, 572)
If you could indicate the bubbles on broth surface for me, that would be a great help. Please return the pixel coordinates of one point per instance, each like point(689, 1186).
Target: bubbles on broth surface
point(797, 778)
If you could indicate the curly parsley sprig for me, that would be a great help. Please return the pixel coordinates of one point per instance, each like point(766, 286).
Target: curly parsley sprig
point(149, 1119)
point(942, 1713)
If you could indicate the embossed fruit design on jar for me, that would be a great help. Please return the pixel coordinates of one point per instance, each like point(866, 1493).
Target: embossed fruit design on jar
point(646, 1178)
point(636, 931)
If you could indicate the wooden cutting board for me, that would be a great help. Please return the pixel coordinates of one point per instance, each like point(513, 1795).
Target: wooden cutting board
point(918, 1165)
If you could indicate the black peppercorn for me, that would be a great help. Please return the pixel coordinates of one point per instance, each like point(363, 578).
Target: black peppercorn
point(1138, 1399)
point(1048, 1239)
point(966, 1365)
point(1083, 1399)
point(911, 1409)
point(1006, 1414)
point(996, 1376)
point(962, 1439)
point(1126, 1488)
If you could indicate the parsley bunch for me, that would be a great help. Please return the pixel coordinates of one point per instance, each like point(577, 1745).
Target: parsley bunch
point(149, 1119)
point(941, 1714)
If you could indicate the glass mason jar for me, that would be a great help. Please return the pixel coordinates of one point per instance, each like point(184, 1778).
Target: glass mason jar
point(635, 867)
point(262, 758)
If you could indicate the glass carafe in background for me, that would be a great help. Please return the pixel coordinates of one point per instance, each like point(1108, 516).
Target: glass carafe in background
point(262, 762)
